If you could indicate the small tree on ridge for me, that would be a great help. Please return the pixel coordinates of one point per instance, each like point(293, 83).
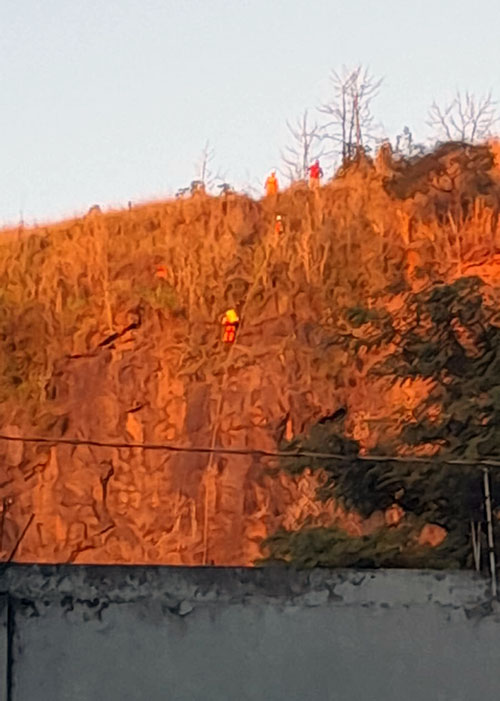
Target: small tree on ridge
point(350, 126)
point(304, 147)
point(466, 118)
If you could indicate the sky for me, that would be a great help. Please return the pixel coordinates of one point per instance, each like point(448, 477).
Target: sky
point(109, 101)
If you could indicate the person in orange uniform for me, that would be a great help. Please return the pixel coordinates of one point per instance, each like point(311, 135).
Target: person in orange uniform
point(315, 173)
point(230, 323)
point(278, 224)
point(161, 271)
point(272, 184)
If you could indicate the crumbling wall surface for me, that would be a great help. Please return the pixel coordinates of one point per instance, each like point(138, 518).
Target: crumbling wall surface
point(202, 634)
point(4, 656)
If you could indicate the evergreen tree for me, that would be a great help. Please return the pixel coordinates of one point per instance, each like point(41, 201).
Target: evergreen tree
point(450, 336)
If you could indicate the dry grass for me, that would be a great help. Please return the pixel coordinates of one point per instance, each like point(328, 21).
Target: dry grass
point(65, 289)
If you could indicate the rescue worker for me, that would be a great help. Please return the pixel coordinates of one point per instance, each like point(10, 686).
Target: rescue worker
point(161, 272)
point(278, 225)
point(230, 323)
point(315, 173)
point(272, 184)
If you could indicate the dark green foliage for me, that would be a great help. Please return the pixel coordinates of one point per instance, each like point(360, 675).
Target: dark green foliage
point(357, 316)
point(452, 339)
point(456, 343)
point(353, 481)
point(22, 362)
point(377, 329)
point(161, 296)
point(333, 547)
point(449, 336)
point(446, 495)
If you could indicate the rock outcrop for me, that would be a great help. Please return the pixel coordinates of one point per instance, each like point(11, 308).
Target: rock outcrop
point(110, 332)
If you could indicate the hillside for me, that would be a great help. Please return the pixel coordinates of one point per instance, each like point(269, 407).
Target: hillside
point(95, 344)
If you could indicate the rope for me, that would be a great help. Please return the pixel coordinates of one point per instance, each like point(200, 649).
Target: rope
point(218, 410)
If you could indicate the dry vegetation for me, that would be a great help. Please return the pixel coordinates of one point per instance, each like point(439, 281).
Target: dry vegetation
point(93, 344)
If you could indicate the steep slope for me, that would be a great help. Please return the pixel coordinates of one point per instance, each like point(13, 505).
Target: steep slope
point(99, 342)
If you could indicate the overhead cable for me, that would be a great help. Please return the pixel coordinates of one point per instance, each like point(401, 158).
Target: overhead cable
point(286, 454)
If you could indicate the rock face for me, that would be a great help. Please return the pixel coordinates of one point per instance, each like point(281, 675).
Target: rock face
point(110, 332)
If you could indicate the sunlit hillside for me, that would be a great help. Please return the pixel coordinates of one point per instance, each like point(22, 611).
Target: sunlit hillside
point(110, 330)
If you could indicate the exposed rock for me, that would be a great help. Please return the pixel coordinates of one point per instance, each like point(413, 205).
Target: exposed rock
point(95, 345)
point(432, 534)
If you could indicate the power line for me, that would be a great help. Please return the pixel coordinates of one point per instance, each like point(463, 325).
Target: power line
point(483, 462)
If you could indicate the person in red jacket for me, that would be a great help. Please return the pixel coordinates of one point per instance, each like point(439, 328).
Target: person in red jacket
point(315, 173)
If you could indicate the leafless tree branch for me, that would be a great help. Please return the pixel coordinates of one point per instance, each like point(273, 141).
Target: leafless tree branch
point(466, 118)
point(350, 124)
point(305, 146)
point(204, 167)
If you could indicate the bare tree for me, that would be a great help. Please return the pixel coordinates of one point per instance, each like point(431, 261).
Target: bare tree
point(466, 118)
point(350, 126)
point(205, 175)
point(305, 146)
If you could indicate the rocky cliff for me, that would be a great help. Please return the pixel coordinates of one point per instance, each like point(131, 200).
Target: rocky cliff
point(110, 331)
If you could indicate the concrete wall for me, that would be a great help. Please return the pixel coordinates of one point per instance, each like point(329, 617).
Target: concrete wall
point(133, 633)
point(4, 648)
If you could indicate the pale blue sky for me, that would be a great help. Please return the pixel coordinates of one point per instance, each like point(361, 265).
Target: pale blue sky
point(105, 101)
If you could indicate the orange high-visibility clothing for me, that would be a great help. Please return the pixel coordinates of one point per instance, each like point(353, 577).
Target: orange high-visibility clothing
point(229, 335)
point(230, 322)
point(272, 184)
point(278, 225)
point(161, 272)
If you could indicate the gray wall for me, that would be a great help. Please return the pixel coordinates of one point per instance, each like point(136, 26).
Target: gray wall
point(128, 633)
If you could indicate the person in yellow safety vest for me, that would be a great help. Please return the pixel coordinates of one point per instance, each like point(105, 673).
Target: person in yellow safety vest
point(272, 184)
point(230, 323)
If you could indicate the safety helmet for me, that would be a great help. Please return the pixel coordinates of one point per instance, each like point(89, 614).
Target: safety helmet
point(232, 316)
